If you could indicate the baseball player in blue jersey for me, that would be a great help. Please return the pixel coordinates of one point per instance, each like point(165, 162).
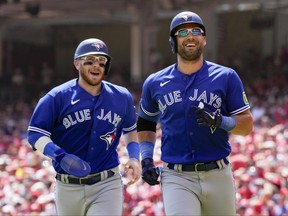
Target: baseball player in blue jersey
point(78, 125)
point(198, 103)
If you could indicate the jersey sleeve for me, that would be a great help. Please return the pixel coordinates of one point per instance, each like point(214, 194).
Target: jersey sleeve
point(237, 99)
point(130, 120)
point(148, 106)
point(43, 117)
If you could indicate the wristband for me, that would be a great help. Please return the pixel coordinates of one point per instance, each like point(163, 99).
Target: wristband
point(133, 150)
point(146, 149)
point(228, 123)
point(53, 151)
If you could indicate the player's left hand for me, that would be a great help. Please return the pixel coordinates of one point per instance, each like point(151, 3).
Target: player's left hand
point(150, 173)
point(134, 169)
point(207, 118)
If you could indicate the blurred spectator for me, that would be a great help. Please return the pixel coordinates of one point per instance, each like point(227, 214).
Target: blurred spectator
point(47, 75)
point(284, 56)
point(155, 61)
point(18, 79)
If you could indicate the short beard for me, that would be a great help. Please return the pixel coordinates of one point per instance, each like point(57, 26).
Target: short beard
point(88, 81)
point(190, 56)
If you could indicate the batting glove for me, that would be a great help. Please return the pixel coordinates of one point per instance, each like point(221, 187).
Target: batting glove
point(207, 118)
point(72, 164)
point(149, 171)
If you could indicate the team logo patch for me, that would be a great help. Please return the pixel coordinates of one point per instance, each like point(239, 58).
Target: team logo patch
point(245, 98)
point(98, 46)
point(109, 138)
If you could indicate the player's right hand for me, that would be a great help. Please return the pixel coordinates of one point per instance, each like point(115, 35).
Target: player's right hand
point(149, 171)
point(207, 118)
point(73, 165)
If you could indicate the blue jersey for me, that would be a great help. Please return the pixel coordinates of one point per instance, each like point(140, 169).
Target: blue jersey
point(85, 125)
point(169, 96)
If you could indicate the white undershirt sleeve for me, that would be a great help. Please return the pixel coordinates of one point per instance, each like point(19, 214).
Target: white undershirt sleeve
point(41, 143)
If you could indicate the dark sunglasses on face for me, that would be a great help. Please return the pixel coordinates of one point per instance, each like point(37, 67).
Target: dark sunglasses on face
point(91, 59)
point(185, 32)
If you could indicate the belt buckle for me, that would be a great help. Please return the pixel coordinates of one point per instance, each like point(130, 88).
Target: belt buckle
point(196, 165)
point(80, 181)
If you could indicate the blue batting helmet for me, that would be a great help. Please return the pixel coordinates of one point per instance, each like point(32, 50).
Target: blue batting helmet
point(93, 46)
point(181, 19)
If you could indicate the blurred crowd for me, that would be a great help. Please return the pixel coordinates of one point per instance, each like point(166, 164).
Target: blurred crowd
point(259, 160)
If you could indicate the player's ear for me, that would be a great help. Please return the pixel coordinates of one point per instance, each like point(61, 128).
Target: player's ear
point(204, 42)
point(77, 64)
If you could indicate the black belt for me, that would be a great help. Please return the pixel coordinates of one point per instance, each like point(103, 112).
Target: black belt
point(198, 167)
point(83, 181)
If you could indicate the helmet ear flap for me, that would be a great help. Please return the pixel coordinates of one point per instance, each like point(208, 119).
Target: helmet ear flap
point(107, 67)
point(173, 44)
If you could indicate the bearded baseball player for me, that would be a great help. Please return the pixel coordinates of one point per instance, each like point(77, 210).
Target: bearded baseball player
point(198, 103)
point(78, 125)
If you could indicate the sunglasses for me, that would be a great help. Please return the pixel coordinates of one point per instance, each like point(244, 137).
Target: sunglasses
point(185, 32)
point(91, 59)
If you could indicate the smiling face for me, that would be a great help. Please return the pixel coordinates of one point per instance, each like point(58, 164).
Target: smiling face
point(91, 70)
point(190, 47)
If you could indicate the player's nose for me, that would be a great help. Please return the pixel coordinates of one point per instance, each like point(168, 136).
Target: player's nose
point(98, 65)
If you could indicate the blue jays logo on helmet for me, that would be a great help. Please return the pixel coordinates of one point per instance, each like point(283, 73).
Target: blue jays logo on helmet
point(182, 18)
point(186, 16)
point(98, 46)
point(93, 46)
